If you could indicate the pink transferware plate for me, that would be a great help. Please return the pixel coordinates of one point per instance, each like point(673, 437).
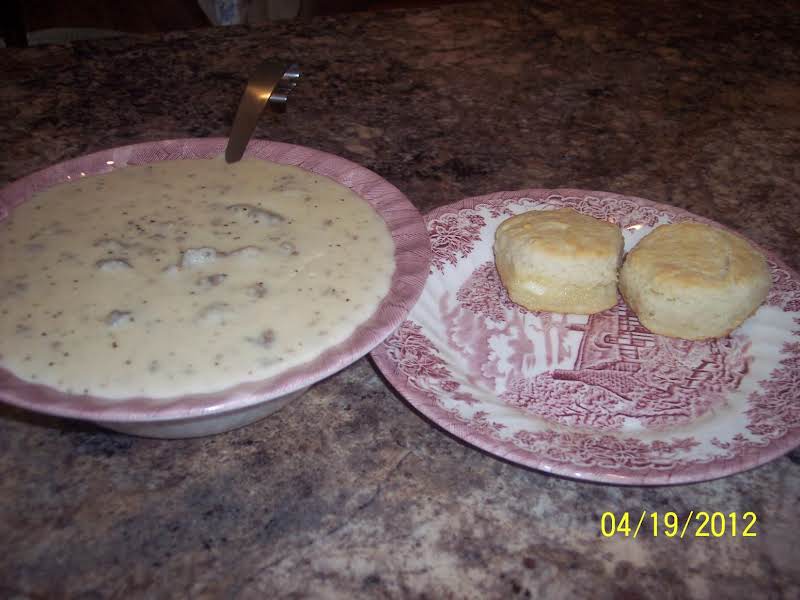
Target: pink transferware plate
point(594, 397)
point(204, 414)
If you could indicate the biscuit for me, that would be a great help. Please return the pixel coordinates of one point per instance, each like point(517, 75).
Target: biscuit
point(693, 281)
point(559, 261)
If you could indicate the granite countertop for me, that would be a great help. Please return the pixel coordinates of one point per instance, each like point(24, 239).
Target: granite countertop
point(348, 492)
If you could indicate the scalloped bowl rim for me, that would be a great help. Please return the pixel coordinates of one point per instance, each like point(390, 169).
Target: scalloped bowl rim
point(412, 259)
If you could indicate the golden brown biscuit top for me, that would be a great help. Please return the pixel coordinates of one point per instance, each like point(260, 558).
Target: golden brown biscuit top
point(696, 255)
point(562, 232)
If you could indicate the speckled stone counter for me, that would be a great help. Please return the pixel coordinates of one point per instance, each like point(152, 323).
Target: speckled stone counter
point(348, 492)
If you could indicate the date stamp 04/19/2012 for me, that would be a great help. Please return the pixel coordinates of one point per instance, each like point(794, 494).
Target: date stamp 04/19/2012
point(697, 524)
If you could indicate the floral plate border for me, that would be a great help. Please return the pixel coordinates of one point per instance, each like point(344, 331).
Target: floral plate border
point(746, 412)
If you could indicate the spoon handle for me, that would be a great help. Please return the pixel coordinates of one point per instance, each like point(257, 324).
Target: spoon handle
point(270, 82)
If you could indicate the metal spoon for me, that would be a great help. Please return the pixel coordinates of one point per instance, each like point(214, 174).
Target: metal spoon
point(270, 84)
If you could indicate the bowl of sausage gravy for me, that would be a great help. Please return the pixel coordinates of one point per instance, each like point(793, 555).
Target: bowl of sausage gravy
point(156, 290)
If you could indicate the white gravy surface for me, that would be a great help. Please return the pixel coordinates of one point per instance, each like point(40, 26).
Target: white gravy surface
point(185, 276)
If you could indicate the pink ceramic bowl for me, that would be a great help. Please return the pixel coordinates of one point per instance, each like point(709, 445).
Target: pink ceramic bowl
point(205, 414)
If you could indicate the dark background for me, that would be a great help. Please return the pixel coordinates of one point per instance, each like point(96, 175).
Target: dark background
point(151, 16)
